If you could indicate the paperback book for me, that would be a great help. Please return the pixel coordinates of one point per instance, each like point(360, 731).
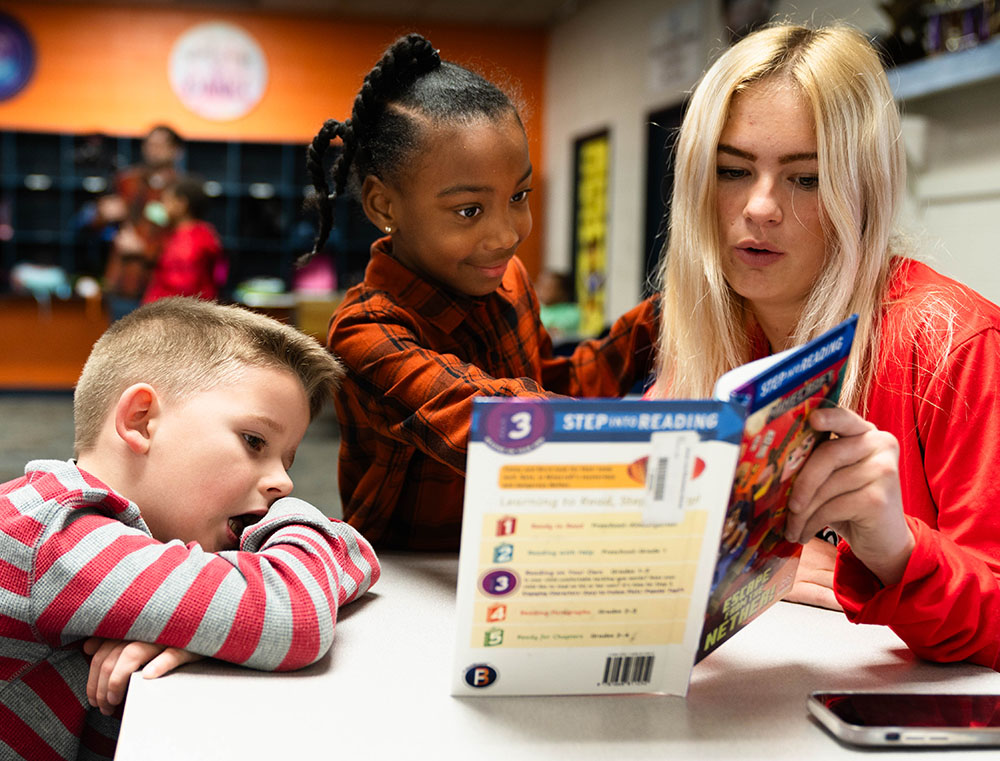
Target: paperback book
point(609, 545)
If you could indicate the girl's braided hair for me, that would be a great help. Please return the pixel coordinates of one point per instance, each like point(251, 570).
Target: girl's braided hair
point(409, 85)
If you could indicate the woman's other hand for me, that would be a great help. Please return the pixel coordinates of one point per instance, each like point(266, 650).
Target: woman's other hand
point(851, 483)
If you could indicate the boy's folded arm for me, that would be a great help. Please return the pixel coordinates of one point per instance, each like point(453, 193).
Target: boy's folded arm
point(355, 563)
point(271, 609)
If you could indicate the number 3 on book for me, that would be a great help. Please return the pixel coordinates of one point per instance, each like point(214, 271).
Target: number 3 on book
point(520, 426)
point(498, 582)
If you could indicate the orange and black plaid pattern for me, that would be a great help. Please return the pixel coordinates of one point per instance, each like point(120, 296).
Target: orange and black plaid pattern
point(416, 355)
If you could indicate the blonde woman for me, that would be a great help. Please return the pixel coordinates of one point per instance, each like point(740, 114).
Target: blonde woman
point(789, 172)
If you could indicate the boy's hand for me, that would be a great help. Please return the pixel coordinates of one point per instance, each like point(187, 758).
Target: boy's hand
point(114, 661)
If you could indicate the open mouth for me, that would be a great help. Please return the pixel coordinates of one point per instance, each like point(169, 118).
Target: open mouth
point(757, 257)
point(239, 522)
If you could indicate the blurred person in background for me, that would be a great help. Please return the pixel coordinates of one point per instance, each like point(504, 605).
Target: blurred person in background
point(191, 261)
point(136, 209)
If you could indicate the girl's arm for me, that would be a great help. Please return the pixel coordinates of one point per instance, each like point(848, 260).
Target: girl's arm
point(410, 379)
point(611, 366)
point(400, 388)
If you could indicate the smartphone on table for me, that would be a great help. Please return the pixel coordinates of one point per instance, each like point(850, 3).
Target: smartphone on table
point(880, 719)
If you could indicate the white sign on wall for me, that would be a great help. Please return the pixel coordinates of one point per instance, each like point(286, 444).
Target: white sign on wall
point(218, 71)
point(675, 54)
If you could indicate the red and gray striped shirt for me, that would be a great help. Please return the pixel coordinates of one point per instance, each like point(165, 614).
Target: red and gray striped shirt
point(77, 560)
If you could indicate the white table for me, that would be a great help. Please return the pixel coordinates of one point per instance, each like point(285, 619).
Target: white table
point(383, 692)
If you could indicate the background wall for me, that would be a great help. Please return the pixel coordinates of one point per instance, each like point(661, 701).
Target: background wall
point(953, 142)
point(607, 68)
point(103, 68)
point(608, 65)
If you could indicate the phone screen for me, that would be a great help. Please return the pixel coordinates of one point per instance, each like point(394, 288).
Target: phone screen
point(912, 710)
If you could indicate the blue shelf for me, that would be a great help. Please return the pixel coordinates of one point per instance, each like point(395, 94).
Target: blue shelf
point(946, 71)
point(258, 209)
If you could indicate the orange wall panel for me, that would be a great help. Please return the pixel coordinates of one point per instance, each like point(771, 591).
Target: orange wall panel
point(44, 346)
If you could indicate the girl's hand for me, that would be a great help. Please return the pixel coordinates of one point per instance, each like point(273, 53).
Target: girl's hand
point(814, 576)
point(851, 483)
point(114, 661)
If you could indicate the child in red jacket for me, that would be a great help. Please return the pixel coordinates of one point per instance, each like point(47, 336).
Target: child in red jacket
point(191, 262)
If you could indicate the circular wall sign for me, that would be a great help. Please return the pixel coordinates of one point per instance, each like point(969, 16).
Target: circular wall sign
point(218, 71)
point(17, 57)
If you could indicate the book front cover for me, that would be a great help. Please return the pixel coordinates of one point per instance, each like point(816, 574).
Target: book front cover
point(756, 566)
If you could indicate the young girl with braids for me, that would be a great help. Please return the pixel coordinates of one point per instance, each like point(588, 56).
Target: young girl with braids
point(446, 311)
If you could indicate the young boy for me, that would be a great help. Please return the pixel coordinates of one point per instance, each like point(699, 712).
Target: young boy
point(173, 526)
point(191, 262)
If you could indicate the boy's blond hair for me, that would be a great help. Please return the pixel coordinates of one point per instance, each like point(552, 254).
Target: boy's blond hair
point(182, 346)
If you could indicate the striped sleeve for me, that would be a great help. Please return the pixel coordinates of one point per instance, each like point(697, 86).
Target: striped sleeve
point(271, 606)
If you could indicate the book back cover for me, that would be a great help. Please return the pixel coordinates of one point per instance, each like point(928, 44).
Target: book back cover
point(589, 537)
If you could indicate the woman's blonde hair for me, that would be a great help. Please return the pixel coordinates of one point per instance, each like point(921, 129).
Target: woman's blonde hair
point(861, 179)
point(182, 346)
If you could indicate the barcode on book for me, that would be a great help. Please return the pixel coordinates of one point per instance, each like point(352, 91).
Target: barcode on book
point(628, 669)
point(660, 478)
point(670, 456)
